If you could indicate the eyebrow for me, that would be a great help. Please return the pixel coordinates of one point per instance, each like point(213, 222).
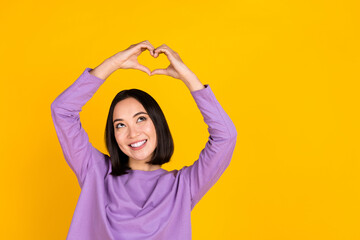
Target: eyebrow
point(120, 119)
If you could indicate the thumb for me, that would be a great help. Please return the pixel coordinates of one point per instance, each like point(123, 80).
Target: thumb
point(143, 68)
point(159, 72)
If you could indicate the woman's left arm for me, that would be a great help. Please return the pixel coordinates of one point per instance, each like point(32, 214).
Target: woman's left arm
point(218, 151)
point(217, 154)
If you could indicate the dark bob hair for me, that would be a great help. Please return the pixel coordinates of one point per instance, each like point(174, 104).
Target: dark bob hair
point(165, 144)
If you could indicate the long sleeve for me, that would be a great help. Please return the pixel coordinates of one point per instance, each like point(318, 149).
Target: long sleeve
point(65, 111)
point(218, 151)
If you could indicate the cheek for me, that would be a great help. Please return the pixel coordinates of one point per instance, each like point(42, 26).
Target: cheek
point(152, 132)
point(119, 139)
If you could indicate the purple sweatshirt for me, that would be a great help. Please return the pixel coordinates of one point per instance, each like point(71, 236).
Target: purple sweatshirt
point(141, 205)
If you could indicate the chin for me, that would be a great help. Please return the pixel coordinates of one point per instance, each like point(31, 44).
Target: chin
point(147, 158)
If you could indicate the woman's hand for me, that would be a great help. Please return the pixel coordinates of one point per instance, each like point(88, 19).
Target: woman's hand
point(127, 59)
point(176, 69)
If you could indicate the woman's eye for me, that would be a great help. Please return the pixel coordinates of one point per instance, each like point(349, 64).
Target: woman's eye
point(143, 118)
point(117, 126)
point(120, 125)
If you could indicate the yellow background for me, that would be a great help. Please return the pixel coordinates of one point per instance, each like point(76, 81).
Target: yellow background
point(286, 72)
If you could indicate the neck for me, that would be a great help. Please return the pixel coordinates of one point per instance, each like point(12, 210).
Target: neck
point(143, 166)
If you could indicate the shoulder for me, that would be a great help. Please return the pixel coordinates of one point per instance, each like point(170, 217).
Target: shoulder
point(101, 162)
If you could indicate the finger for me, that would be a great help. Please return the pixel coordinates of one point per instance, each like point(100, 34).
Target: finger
point(145, 41)
point(146, 45)
point(167, 51)
point(143, 68)
point(161, 49)
point(151, 49)
point(164, 46)
point(159, 72)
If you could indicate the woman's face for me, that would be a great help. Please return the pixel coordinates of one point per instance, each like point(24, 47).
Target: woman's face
point(132, 125)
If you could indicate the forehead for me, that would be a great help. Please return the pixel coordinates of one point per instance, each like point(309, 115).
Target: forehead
point(127, 108)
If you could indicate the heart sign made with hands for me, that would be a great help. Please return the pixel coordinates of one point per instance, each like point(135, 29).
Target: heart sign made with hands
point(128, 59)
point(153, 63)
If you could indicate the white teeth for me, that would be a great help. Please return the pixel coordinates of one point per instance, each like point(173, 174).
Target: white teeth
point(138, 144)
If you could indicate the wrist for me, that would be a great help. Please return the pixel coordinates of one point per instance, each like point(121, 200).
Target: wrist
point(189, 77)
point(105, 69)
point(111, 61)
point(193, 83)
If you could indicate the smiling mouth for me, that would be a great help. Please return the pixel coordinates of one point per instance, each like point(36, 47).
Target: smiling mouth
point(138, 144)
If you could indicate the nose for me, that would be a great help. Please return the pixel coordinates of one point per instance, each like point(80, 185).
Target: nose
point(133, 132)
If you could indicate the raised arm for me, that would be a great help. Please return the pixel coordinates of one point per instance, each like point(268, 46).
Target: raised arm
point(216, 155)
point(65, 112)
point(218, 151)
point(65, 109)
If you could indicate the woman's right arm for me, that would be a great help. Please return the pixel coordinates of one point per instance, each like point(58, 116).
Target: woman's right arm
point(65, 109)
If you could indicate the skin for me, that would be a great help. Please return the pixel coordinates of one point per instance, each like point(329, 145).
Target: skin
point(134, 129)
point(127, 59)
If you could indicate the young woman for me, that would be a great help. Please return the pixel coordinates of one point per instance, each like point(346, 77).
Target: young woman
point(127, 195)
